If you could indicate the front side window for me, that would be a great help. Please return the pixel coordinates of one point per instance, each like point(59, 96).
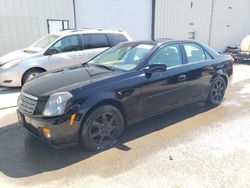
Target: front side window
point(68, 44)
point(195, 53)
point(169, 55)
point(91, 41)
point(123, 57)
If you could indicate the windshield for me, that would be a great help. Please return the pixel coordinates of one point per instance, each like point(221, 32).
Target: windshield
point(42, 43)
point(125, 57)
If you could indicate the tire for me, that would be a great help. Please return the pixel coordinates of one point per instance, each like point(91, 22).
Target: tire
point(102, 128)
point(30, 74)
point(217, 92)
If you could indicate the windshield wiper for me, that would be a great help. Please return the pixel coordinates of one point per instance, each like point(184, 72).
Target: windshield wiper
point(85, 64)
point(104, 66)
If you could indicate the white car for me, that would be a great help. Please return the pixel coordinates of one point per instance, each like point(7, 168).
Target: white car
point(55, 51)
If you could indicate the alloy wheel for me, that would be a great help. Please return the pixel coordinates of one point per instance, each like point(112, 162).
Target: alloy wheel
point(32, 76)
point(104, 129)
point(218, 91)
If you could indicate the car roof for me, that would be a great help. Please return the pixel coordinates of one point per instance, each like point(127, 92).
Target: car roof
point(88, 30)
point(160, 42)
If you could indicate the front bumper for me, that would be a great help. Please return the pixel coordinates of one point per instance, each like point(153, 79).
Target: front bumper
point(61, 132)
point(11, 77)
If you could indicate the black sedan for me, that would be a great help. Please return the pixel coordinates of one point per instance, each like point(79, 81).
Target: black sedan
point(93, 102)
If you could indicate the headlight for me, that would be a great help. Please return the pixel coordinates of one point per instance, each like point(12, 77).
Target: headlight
point(10, 64)
point(56, 104)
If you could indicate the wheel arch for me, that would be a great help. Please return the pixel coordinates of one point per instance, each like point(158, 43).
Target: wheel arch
point(33, 68)
point(112, 102)
point(221, 74)
point(225, 79)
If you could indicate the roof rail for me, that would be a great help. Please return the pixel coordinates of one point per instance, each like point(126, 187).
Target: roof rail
point(100, 28)
point(68, 29)
point(91, 28)
point(164, 39)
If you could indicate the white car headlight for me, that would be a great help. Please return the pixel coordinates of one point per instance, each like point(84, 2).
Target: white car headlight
point(56, 104)
point(10, 64)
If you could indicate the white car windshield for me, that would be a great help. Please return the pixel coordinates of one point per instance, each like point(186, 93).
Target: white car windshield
point(125, 57)
point(42, 43)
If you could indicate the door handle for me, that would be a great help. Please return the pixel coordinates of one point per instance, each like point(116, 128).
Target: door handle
point(182, 78)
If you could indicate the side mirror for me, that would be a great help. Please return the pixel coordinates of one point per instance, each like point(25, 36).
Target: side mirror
point(155, 68)
point(52, 51)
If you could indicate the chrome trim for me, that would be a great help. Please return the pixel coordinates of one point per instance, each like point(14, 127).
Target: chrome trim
point(30, 96)
point(27, 103)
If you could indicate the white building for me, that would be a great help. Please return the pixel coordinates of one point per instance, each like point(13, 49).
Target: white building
point(218, 23)
point(24, 21)
point(134, 16)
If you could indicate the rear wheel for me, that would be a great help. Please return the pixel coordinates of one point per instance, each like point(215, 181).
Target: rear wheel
point(217, 92)
point(102, 128)
point(31, 74)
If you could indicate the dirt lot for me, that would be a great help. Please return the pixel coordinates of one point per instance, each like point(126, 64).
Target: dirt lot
point(194, 146)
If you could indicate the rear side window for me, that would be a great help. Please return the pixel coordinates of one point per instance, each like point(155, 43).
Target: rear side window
point(194, 52)
point(91, 41)
point(116, 38)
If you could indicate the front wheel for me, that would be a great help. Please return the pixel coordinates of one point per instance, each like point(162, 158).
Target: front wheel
point(217, 92)
point(30, 74)
point(102, 128)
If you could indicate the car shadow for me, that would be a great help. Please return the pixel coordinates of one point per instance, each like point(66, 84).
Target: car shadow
point(22, 155)
point(6, 90)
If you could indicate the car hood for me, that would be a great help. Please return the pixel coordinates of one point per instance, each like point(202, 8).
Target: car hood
point(65, 79)
point(12, 56)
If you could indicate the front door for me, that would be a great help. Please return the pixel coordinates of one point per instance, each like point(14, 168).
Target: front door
point(69, 52)
point(165, 90)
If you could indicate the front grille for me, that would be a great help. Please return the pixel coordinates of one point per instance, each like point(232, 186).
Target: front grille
point(27, 103)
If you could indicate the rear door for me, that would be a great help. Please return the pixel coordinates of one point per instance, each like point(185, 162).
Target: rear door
point(93, 45)
point(199, 71)
point(165, 90)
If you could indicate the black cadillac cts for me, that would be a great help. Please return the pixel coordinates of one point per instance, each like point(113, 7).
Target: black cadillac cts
point(93, 102)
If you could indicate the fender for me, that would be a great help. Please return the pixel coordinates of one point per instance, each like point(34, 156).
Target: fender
point(94, 100)
point(221, 73)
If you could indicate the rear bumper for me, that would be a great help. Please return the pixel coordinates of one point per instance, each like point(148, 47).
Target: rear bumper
point(61, 133)
point(11, 77)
